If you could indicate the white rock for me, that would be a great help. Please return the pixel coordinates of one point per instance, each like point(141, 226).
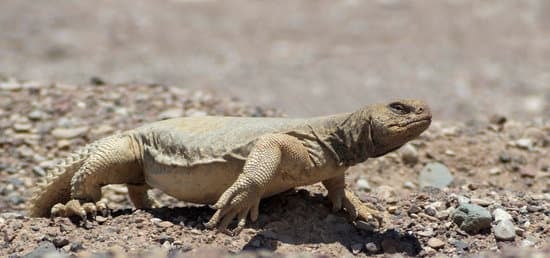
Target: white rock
point(363, 184)
point(171, 113)
point(371, 247)
point(505, 230)
point(524, 143)
point(409, 154)
point(526, 243)
point(495, 171)
point(435, 243)
point(500, 214)
point(68, 133)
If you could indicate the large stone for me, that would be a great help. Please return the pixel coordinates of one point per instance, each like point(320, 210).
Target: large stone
point(472, 218)
point(435, 174)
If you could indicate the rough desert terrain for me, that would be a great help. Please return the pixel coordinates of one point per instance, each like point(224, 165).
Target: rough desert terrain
point(477, 183)
point(490, 171)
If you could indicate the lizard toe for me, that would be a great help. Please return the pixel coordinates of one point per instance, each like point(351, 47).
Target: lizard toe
point(227, 219)
point(242, 222)
point(90, 208)
point(255, 211)
point(214, 220)
point(101, 207)
point(73, 208)
point(238, 207)
point(76, 208)
point(58, 210)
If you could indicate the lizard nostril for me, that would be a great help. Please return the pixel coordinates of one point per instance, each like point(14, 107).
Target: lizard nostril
point(420, 110)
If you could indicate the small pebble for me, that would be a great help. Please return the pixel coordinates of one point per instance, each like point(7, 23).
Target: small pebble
point(435, 243)
point(524, 143)
point(363, 184)
point(462, 199)
point(69, 133)
point(60, 242)
point(36, 115)
point(495, 171)
point(498, 119)
point(165, 224)
point(171, 113)
point(442, 215)
point(450, 153)
point(414, 209)
point(392, 209)
point(460, 245)
point(100, 219)
point(505, 230)
point(526, 243)
point(22, 127)
point(371, 247)
point(430, 211)
point(409, 185)
point(504, 157)
point(500, 214)
point(409, 154)
point(428, 232)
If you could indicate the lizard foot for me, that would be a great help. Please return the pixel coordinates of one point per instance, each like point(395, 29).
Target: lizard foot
point(359, 210)
point(236, 202)
point(75, 208)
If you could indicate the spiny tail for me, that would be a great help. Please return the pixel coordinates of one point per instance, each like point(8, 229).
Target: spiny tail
point(57, 185)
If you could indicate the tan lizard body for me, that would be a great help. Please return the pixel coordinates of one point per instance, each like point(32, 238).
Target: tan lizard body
point(231, 162)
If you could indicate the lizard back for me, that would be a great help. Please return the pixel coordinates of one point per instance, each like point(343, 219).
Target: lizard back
point(193, 141)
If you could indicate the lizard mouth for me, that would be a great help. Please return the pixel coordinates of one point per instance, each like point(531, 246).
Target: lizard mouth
point(412, 123)
point(426, 120)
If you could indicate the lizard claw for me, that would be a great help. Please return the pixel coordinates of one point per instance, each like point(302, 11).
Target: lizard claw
point(75, 208)
point(359, 210)
point(236, 202)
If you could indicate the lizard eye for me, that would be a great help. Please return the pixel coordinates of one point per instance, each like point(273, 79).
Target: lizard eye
point(399, 108)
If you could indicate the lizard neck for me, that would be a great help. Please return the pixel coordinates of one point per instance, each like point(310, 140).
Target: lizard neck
point(348, 136)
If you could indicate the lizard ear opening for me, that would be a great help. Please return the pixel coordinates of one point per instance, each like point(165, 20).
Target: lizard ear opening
point(371, 147)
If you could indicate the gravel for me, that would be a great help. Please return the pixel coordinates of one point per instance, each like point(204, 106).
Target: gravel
point(293, 222)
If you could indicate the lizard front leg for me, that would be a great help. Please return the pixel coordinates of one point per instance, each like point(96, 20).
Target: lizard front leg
point(341, 197)
point(271, 154)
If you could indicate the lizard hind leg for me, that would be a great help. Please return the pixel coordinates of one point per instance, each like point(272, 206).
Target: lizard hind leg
point(140, 196)
point(112, 162)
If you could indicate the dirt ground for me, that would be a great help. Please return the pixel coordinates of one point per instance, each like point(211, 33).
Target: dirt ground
point(494, 164)
point(481, 65)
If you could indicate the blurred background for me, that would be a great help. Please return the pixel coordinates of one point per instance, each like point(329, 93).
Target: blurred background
point(468, 59)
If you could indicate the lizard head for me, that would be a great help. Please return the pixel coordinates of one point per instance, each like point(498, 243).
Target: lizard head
point(396, 123)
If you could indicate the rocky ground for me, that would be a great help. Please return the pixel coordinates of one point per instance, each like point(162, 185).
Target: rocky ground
point(480, 188)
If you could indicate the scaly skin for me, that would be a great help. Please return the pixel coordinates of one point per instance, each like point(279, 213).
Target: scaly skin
point(231, 162)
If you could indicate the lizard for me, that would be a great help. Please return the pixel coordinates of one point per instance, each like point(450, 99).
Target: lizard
point(231, 163)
